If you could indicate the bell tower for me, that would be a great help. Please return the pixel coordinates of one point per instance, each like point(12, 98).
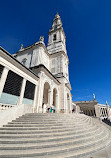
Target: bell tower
point(57, 39)
point(56, 47)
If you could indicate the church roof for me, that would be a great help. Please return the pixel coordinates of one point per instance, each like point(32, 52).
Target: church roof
point(18, 61)
point(30, 46)
point(42, 66)
point(89, 101)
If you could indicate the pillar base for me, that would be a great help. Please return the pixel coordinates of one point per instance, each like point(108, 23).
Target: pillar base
point(34, 110)
point(40, 110)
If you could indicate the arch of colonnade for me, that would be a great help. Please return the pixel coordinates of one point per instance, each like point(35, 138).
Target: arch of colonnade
point(89, 112)
point(50, 97)
point(103, 112)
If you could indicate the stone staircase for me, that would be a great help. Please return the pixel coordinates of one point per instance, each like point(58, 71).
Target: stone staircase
point(52, 136)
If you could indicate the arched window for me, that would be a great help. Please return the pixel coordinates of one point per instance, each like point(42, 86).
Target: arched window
point(24, 61)
point(54, 37)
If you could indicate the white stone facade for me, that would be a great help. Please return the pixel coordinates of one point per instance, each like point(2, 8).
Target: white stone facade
point(46, 68)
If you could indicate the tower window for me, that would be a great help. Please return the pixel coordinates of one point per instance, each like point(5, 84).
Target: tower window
point(54, 37)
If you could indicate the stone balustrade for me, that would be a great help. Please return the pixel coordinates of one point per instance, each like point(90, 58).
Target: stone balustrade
point(5, 106)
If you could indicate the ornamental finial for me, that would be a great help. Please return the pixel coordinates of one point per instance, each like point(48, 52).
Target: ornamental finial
point(57, 15)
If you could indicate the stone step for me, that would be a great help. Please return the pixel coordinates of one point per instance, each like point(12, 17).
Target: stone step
point(81, 130)
point(52, 136)
point(55, 120)
point(42, 123)
point(50, 139)
point(40, 145)
point(50, 118)
point(49, 135)
point(54, 116)
point(83, 152)
point(63, 133)
point(55, 150)
point(34, 124)
point(38, 119)
point(44, 128)
point(49, 121)
point(55, 146)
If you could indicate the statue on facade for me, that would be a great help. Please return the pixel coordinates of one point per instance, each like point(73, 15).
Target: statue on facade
point(21, 48)
point(41, 38)
point(93, 96)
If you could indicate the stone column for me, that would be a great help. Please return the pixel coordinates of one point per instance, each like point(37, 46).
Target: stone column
point(22, 92)
point(77, 109)
point(35, 99)
point(65, 101)
point(70, 104)
point(108, 111)
point(104, 112)
point(50, 97)
point(57, 103)
point(97, 110)
point(3, 79)
point(101, 111)
point(40, 92)
point(40, 97)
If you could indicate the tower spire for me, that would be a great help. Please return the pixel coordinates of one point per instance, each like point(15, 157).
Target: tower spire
point(57, 39)
point(57, 15)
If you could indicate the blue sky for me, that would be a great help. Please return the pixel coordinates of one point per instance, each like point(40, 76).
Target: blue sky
point(87, 25)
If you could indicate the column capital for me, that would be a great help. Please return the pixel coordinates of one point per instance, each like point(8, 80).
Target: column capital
point(6, 68)
point(3, 79)
point(24, 79)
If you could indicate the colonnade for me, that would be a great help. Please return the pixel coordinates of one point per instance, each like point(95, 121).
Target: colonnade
point(89, 112)
point(49, 96)
point(3, 78)
point(103, 112)
point(44, 93)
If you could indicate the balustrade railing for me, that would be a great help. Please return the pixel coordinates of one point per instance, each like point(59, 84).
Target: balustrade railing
point(5, 106)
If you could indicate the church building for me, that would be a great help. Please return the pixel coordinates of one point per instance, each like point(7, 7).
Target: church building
point(38, 75)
